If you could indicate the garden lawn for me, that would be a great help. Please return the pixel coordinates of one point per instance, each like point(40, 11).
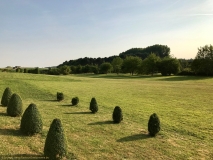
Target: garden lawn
point(183, 104)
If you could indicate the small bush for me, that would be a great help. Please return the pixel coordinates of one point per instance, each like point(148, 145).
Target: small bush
point(117, 115)
point(75, 101)
point(31, 122)
point(55, 144)
point(153, 125)
point(14, 107)
point(60, 96)
point(93, 105)
point(6, 96)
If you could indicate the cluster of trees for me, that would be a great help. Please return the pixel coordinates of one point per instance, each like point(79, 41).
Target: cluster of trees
point(149, 60)
point(159, 50)
point(130, 64)
point(203, 62)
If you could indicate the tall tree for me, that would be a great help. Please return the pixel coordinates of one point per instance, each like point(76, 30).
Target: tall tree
point(168, 66)
point(131, 64)
point(65, 70)
point(150, 64)
point(105, 67)
point(117, 64)
point(203, 63)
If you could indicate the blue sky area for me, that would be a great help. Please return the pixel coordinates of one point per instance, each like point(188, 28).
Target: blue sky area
point(41, 33)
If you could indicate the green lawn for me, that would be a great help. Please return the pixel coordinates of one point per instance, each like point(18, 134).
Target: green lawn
point(183, 104)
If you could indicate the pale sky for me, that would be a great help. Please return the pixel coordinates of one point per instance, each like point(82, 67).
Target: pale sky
point(42, 33)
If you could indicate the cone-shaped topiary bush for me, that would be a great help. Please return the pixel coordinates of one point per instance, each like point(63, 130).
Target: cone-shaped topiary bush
point(6, 96)
point(93, 105)
point(31, 122)
point(55, 144)
point(75, 101)
point(60, 96)
point(14, 107)
point(117, 115)
point(153, 125)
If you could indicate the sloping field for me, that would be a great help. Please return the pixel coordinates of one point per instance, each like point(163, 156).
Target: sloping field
point(183, 104)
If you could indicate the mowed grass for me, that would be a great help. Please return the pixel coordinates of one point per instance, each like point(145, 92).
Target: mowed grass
point(183, 104)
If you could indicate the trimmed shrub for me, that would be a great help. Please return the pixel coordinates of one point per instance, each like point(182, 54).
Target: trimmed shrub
point(60, 96)
point(14, 107)
point(55, 144)
point(31, 122)
point(93, 105)
point(75, 101)
point(117, 115)
point(6, 96)
point(153, 125)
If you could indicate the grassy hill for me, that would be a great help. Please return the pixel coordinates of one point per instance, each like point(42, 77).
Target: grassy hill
point(183, 104)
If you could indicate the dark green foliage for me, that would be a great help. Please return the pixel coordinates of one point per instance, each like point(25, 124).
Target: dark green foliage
point(203, 62)
point(159, 50)
point(153, 124)
point(93, 105)
point(65, 70)
point(168, 66)
point(25, 70)
point(131, 64)
point(55, 144)
point(60, 96)
point(31, 122)
point(75, 101)
point(150, 64)
point(117, 115)
point(14, 107)
point(6, 96)
point(105, 67)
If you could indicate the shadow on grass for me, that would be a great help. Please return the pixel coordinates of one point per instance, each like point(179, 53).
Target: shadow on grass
point(3, 114)
point(68, 105)
point(22, 156)
point(183, 78)
point(79, 113)
point(101, 123)
point(50, 100)
point(9, 131)
point(115, 76)
point(134, 137)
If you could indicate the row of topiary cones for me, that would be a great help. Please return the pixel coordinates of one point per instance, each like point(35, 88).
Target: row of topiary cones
point(55, 144)
point(117, 115)
point(31, 123)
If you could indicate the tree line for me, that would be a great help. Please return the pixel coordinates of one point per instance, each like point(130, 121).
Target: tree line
point(150, 60)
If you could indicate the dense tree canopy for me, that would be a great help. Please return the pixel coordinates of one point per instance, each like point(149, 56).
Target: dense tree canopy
point(168, 66)
point(150, 64)
point(160, 50)
point(203, 63)
point(131, 64)
point(105, 67)
point(117, 64)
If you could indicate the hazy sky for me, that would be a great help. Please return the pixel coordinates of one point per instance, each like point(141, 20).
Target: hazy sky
point(40, 33)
